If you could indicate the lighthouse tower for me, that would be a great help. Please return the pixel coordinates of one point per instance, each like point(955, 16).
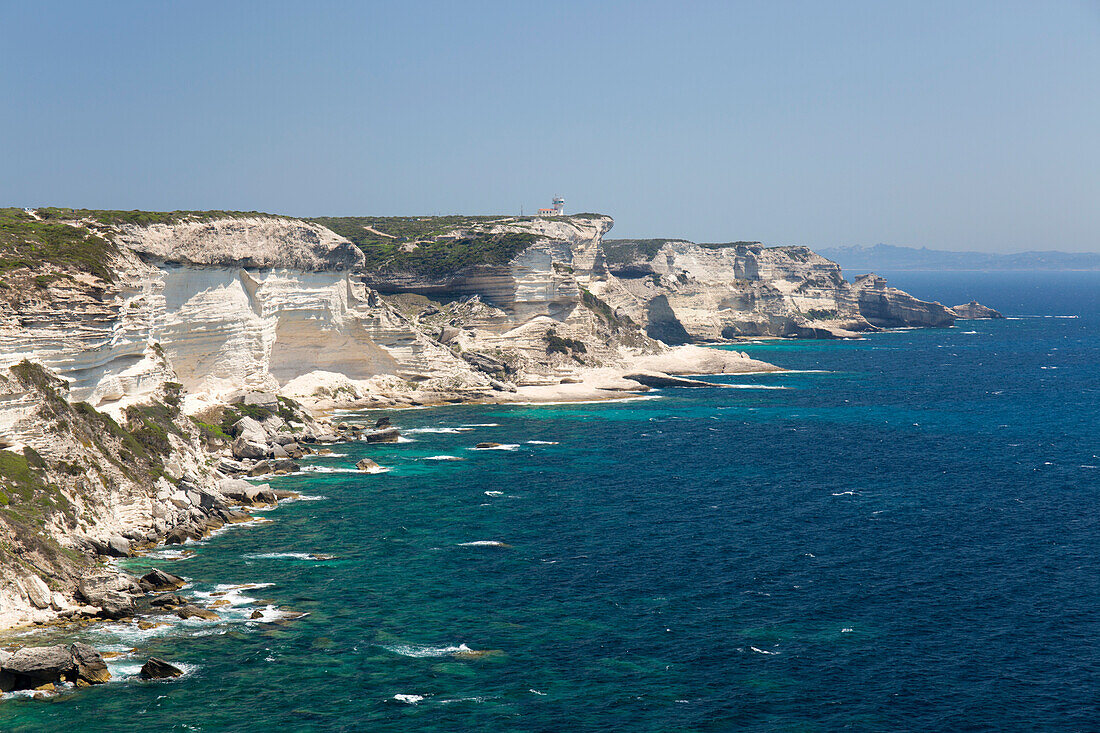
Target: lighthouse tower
point(559, 206)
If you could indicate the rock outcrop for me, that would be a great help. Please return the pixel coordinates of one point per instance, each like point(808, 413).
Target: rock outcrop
point(685, 292)
point(32, 667)
point(974, 311)
point(148, 362)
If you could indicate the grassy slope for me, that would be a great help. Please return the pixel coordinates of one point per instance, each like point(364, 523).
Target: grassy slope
point(427, 246)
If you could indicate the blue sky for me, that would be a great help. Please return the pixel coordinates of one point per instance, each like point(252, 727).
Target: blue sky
point(953, 125)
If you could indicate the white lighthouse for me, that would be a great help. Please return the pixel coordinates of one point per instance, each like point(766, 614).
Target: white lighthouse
point(558, 208)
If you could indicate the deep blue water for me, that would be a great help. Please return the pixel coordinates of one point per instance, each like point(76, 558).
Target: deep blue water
point(903, 536)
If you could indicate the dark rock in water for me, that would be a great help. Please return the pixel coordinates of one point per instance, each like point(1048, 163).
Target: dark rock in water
point(158, 669)
point(170, 600)
point(180, 534)
point(30, 667)
point(257, 614)
point(974, 311)
point(159, 580)
point(482, 446)
point(367, 464)
point(388, 435)
point(89, 664)
point(382, 422)
point(116, 605)
point(191, 611)
point(285, 464)
point(660, 379)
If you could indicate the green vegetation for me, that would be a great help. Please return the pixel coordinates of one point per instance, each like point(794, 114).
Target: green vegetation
point(25, 496)
point(428, 246)
point(727, 245)
point(26, 242)
point(820, 314)
point(625, 251)
point(141, 218)
point(287, 409)
point(555, 344)
point(150, 425)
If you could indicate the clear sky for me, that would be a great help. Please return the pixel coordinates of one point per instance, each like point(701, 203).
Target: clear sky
point(953, 125)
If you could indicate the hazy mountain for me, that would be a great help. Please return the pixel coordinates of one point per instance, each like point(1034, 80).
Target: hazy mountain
point(888, 257)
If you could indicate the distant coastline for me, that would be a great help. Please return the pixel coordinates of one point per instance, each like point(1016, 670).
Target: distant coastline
point(913, 259)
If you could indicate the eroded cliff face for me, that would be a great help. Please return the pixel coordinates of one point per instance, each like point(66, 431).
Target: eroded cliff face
point(687, 292)
point(121, 351)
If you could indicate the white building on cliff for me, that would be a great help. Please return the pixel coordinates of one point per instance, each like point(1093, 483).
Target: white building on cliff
point(558, 210)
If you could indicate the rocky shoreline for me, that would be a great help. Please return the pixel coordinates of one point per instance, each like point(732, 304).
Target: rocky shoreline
point(149, 383)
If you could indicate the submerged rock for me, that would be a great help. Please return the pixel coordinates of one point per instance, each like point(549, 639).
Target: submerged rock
point(483, 446)
point(170, 600)
point(158, 669)
point(387, 435)
point(192, 611)
point(157, 579)
point(367, 464)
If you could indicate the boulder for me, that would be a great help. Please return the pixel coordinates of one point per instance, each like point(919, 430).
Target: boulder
point(483, 446)
point(382, 422)
point(283, 439)
point(260, 495)
point(248, 428)
point(261, 468)
point(38, 593)
point(168, 600)
point(284, 464)
point(244, 448)
point(386, 435)
point(262, 399)
point(30, 667)
point(228, 465)
point(278, 451)
point(116, 546)
point(159, 580)
point(234, 488)
point(293, 451)
point(89, 664)
point(367, 465)
point(95, 588)
point(116, 605)
point(192, 611)
point(274, 424)
point(157, 669)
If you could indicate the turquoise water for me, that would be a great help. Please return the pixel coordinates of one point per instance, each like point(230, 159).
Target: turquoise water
point(902, 536)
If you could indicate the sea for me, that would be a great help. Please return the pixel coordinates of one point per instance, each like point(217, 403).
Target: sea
point(900, 533)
